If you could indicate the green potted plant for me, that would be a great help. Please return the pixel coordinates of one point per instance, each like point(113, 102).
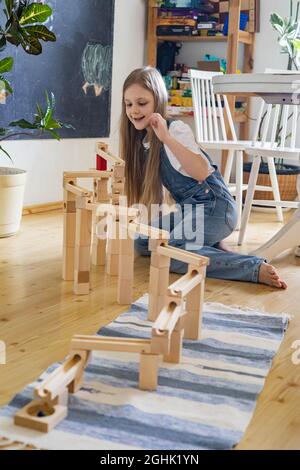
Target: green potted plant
point(23, 27)
point(288, 30)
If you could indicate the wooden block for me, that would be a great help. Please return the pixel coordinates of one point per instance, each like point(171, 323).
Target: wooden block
point(69, 206)
point(62, 399)
point(183, 255)
point(126, 267)
point(102, 146)
point(125, 291)
point(115, 198)
point(193, 318)
point(71, 175)
point(117, 187)
point(69, 234)
point(126, 247)
point(83, 227)
point(112, 264)
point(159, 261)
point(98, 343)
point(40, 416)
point(251, 26)
point(99, 252)
point(156, 304)
point(69, 229)
point(148, 371)
point(159, 280)
point(2, 353)
point(119, 171)
point(81, 282)
point(85, 356)
point(154, 244)
point(160, 344)
point(113, 246)
point(101, 191)
point(175, 353)
point(99, 244)
point(82, 258)
point(68, 263)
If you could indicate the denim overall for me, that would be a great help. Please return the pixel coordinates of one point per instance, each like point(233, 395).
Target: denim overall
point(219, 218)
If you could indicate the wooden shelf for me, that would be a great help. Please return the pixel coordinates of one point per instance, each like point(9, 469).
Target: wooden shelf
point(244, 38)
point(192, 38)
point(233, 41)
point(238, 117)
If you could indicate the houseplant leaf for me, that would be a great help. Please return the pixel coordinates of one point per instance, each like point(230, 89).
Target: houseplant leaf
point(31, 44)
point(23, 124)
point(40, 32)
point(35, 13)
point(6, 64)
point(2, 43)
point(9, 6)
point(296, 44)
point(276, 19)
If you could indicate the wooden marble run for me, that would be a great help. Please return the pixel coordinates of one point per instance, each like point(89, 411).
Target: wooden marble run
point(179, 317)
point(175, 309)
point(83, 211)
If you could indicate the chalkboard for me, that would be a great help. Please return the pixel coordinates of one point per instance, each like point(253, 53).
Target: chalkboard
point(77, 68)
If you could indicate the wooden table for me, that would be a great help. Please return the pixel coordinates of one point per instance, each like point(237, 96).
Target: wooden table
point(280, 88)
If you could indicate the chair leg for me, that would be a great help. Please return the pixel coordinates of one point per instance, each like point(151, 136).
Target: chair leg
point(228, 166)
point(239, 186)
point(249, 198)
point(275, 187)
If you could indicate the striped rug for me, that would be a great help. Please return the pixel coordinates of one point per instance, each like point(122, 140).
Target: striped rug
point(205, 402)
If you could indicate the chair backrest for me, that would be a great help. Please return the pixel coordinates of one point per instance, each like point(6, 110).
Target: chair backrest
point(276, 124)
point(209, 114)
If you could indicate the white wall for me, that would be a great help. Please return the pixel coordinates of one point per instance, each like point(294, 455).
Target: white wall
point(45, 161)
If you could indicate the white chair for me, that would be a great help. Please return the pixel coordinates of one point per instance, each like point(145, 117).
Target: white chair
point(286, 117)
point(210, 115)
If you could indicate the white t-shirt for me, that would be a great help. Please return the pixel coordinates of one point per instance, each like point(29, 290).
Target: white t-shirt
point(184, 134)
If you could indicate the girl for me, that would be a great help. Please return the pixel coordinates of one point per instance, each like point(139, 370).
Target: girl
point(159, 155)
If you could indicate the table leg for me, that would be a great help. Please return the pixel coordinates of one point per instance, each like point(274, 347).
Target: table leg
point(287, 237)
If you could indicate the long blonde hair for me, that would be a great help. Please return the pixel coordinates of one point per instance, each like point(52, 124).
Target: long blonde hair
point(142, 176)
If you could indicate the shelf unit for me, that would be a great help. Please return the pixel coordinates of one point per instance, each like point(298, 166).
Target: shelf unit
point(234, 38)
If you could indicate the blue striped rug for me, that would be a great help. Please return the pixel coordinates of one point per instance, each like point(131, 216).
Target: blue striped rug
point(206, 402)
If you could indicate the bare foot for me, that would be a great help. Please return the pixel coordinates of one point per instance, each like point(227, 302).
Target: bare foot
point(268, 275)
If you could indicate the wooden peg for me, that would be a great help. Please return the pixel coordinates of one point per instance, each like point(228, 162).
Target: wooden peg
point(148, 371)
point(158, 285)
point(39, 416)
point(98, 244)
point(69, 228)
point(82, 251)
point(194, 308)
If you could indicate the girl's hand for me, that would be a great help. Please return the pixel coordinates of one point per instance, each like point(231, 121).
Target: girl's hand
point(159, 126)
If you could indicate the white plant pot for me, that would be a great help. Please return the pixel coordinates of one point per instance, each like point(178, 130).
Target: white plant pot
point(12, 185)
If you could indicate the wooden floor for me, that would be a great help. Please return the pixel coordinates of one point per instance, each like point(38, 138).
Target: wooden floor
point(39, 314)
